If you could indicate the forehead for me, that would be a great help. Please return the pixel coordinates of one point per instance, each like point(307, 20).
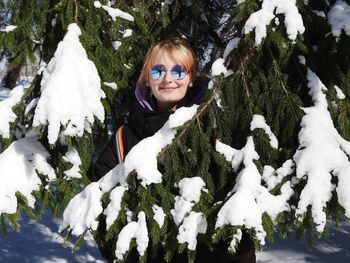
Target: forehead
point(165, 58)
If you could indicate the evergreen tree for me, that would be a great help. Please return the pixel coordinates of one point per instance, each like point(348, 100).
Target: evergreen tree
point(268, 148)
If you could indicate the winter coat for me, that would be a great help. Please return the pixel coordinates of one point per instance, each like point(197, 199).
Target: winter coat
point(145, 121)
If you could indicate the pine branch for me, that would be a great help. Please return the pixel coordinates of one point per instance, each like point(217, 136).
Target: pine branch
point(194, 118)
point(241, 70)
point(76, 15)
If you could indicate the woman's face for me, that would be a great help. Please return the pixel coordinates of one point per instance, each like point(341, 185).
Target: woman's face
point(168, 91)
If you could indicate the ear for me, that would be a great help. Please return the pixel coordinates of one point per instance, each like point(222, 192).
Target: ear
point(191, 84)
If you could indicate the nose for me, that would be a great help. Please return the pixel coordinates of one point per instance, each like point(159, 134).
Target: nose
point(168, 77)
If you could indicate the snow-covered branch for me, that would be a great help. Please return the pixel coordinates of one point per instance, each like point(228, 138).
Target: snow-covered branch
point(259, 20)
point(322, 153)
point(21, 163)
point(70, 90)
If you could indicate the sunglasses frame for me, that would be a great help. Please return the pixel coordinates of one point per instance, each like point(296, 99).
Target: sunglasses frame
point(178, 72)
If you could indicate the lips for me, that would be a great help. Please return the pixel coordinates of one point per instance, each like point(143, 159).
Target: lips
point(168, 88)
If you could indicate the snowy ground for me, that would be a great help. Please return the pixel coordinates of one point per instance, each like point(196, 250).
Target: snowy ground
point(38, 242)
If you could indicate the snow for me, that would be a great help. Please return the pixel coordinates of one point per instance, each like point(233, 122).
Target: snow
point(321, 154)
point(302, 60)
point(193, 224)
point(249, 199)
point(218, 68)
point(259, 122)
point(340, 94)
point(31, 105)
point(70, 90)
point(127, 33)
point(272, 177)
point(231, 45)
point(190, 188)
point(116, 44)
point(114, 12)
point(83, 210)
point(21, 163)
point(112, 85)
point(339, 18)
point(206, 55)
point(85, 207)
point(259, 20)
point(136, 230)
point(8, 100)
point(159, 215)
point(190, 192)
point(143, 157)
point(39, 242)
point(8, 28)
point(114, 206)
point(72, 157)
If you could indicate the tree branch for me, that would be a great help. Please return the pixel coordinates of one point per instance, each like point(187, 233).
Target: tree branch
point(76, 15)
point(194, 118)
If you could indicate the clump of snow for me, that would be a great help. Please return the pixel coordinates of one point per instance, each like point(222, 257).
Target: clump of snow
point(82, 210)
point(302, 60)
point(112, 85)
point(259, 20)
point(190, 188)
point(190, 192)
point(193, 224)
point(250, 199)
point(159, 215)
point(97, 4)
point(10, 98)
point(114, 177)
point(72, 157)
point(132, 230)
point(218, 68)
point(272, 177)
point(319, 13)
point(181, 116)
point(31, 105)
point(114, 206)
point(20, 165)
point(339, 18)
point(116, 44)
point(8, 28)
point(114, 12)
point(321, 154)
point(259, 122)
point(143, 157)
point(41, 68)
point(70, 90)
point(127, 33)
point(231, 45)
point(340, 94)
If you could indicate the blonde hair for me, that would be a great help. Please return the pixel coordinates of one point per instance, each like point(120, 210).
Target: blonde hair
point(178, 49)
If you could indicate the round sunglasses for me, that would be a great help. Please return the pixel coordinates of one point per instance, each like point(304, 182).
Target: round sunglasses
point(158, 72)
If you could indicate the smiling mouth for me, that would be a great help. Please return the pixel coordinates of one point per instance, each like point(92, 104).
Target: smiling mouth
point(168, 88)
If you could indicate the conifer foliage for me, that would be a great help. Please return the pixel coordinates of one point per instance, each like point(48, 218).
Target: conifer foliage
point(267, 149)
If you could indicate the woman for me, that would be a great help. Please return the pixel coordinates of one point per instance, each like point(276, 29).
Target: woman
point(168, 80)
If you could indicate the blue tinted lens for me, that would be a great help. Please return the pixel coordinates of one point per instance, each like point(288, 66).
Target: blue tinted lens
point(158, 72)
point(178, 72)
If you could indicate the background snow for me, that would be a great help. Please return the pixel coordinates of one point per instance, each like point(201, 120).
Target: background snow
point(39, 242)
